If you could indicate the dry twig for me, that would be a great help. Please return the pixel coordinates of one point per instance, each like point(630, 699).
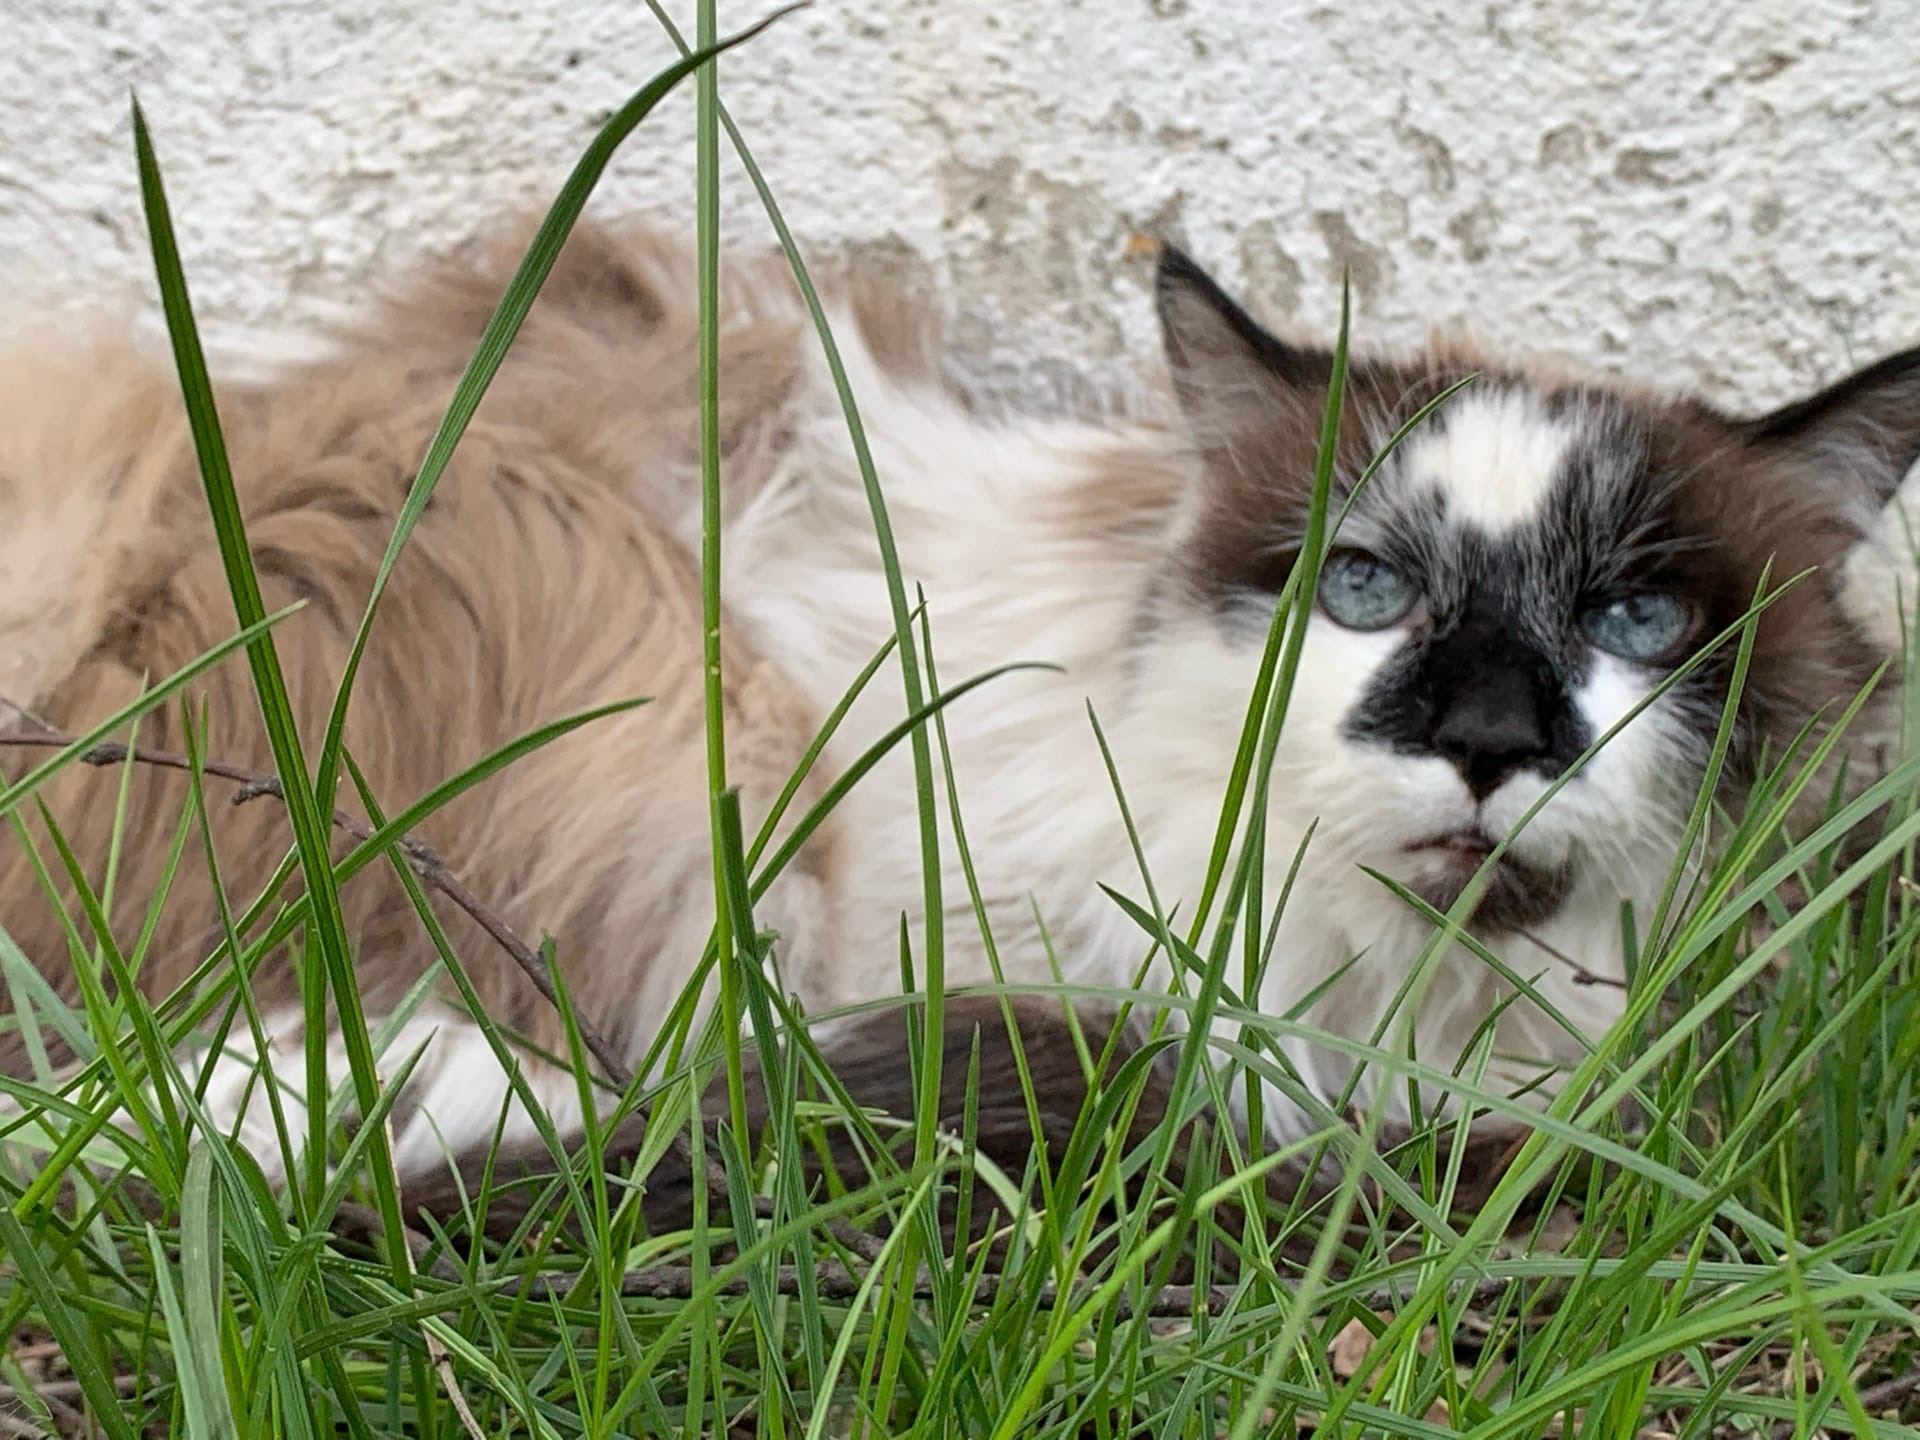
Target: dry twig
point(833, 1281)
point(443, 1367)
point(425, 861)
point(1873, 1399)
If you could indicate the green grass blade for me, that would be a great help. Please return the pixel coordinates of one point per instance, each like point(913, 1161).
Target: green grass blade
point(309, 818)
point(49, 1297)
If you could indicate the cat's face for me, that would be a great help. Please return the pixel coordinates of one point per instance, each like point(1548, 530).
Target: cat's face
point(1530, 565)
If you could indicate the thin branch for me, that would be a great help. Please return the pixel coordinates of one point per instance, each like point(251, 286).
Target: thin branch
point(1890, 1392)
point(425, 861)
point(1581, 974)
point(60, 1391)
point(363, 1222)
point(834, 1281)
point(67, 1420)
point(443, 1367)
point(864, 1243)
point(1875, 1398)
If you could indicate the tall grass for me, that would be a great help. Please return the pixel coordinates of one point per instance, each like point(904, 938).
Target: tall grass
point(1746, 1258)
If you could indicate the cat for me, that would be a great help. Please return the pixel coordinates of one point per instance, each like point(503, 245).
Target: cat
point(1522, 572)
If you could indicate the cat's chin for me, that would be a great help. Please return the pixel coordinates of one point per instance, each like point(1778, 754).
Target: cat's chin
point(1519, 893)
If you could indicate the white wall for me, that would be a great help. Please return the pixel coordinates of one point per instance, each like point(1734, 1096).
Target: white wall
point(1726, 194)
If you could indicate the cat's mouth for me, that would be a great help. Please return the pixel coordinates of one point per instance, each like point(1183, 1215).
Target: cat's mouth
point(1465, 847)
point(1519, 892)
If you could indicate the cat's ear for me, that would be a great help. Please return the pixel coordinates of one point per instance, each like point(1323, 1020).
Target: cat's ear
point(1227, 368)
point(1862, 433)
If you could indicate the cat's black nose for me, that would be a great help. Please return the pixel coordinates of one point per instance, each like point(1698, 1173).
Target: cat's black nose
point(1493, 727)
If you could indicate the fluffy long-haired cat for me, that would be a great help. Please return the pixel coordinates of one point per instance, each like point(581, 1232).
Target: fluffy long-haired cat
point(1520, 574)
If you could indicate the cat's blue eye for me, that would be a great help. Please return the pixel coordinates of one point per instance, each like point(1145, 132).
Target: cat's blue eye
point(1364, 592)
point(1644, 627)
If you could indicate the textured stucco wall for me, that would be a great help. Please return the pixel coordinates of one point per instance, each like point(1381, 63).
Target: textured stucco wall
point(1724, 193)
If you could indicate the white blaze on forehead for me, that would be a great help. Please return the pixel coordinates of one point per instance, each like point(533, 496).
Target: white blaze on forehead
point(1494, 455)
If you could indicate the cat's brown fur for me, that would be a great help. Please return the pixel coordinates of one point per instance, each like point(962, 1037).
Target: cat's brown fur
point(533, 587)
